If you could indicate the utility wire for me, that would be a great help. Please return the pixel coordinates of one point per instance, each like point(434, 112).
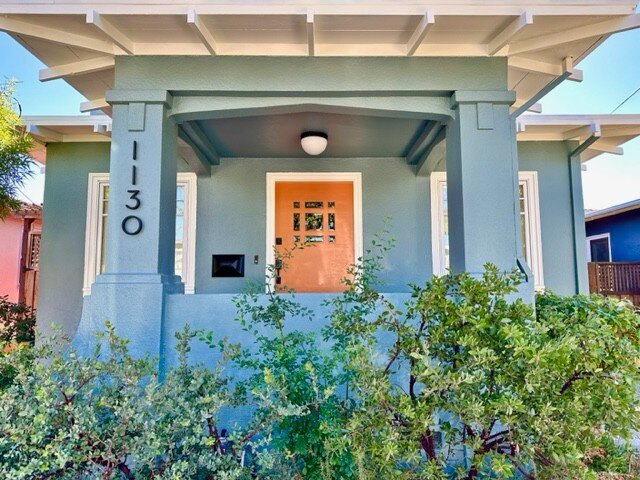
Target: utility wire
point(626, 100)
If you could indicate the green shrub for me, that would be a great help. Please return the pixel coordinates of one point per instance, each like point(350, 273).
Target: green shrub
point(17, 322)
point(107, 416)
point(463, 381)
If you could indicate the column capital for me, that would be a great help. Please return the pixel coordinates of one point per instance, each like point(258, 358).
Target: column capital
point(496, 97)
point(149, 97)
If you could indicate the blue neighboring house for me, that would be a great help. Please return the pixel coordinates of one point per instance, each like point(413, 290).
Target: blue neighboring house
point(613, 234)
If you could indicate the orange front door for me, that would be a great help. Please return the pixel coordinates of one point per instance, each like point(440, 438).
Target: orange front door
point(318, 216)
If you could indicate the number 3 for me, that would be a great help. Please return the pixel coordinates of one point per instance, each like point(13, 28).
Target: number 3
point(134, 197)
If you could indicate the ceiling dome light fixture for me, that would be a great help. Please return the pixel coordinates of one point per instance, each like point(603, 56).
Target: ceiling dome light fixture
point(314, 143)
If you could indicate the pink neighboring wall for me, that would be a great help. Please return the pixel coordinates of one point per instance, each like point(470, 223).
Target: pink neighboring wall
point(10, 246)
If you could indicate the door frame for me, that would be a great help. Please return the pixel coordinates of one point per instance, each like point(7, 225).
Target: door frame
point(272, 177)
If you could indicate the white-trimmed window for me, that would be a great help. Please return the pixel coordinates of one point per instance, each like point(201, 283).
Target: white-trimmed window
point(599, 248)
point(95, 234)
point(529, 224)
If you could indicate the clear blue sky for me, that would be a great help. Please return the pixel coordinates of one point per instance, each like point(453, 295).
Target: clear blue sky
point(611, 73)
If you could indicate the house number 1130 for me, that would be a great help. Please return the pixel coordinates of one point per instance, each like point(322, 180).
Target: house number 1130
point(132, 224)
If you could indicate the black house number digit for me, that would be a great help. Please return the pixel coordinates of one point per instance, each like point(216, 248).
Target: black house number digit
point(132, 225)
point(134, 197)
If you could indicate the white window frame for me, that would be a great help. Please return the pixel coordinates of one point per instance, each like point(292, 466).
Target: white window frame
point(529, 179)
point(598, 237)
point(273, 177)
point(93, 229)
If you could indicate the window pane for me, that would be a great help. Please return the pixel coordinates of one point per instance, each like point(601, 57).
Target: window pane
point(180, 211)
point(104, 205)
point(179, 231)
point(600, 250)
point(445, 223)
point(524, 225)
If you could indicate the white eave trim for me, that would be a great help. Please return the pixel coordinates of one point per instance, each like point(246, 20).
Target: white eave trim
point(614, 210)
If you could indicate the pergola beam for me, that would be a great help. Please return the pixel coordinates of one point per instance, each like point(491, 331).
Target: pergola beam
point(503, 38)
point(567, 69)
point(103, 129)
point(11, 25)
point(584, 131)
point(575, 34)
point(421, 32)
point(311, 33)
point(44, 134)
point(82, 67)
point(535, 66)
point(201, 30)
point(605, 147)
point(91, 105)
point(106, 27)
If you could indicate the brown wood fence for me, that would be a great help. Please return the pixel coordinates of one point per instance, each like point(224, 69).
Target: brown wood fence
point(616, 279)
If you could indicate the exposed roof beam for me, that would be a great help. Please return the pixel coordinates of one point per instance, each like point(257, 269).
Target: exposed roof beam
point(434, 155)
point(567, 68)
point(104, 25)
point(44, 134)
point(574, 34)
point(421, 31)
point(604, 147)
point(535, 66)
point(311, 33)
point(595, 136)
point(194, 136)
point(103, 129)
point(426, 136)
point(19, 27)
point(201, 30)
point(535, 108)
point(192, 155)
point(585, 131)
point(97, 104)
point(77, 68)
point(504, 37)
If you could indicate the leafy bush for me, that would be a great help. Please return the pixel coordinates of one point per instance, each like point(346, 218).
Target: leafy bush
point(17, 322)
point(17, 332)
point(107, 416)
point(463, 381)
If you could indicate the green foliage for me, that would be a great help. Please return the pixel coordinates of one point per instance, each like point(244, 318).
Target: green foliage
point(17, 322)
point(466, 382)
point(15, 143)
point(17, 328)
point(107, 416)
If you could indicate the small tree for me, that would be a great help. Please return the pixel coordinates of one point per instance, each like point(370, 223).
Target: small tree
point(15, 143)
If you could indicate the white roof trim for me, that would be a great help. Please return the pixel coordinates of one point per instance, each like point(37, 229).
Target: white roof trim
point(615, 210)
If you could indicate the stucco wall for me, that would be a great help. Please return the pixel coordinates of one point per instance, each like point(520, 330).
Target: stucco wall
point(10, 246)
point(232, 216)
point(624, 230)
point(64, 220)
point(550, 160)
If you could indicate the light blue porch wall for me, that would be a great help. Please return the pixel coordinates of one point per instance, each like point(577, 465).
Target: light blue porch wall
point(289, 75)
point(550, 160)
point(231, 216)
point(63, 230)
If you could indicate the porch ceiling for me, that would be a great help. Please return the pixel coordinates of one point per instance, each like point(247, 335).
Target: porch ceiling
point(278, 136)
point(543, 39)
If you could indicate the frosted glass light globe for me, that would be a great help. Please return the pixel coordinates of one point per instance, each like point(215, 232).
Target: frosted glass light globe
point(314, 143)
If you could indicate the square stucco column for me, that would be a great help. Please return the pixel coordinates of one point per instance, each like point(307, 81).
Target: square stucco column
point(482, 186)
point(140, 251)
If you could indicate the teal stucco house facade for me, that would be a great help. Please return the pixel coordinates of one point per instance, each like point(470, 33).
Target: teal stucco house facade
point(194, 167)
